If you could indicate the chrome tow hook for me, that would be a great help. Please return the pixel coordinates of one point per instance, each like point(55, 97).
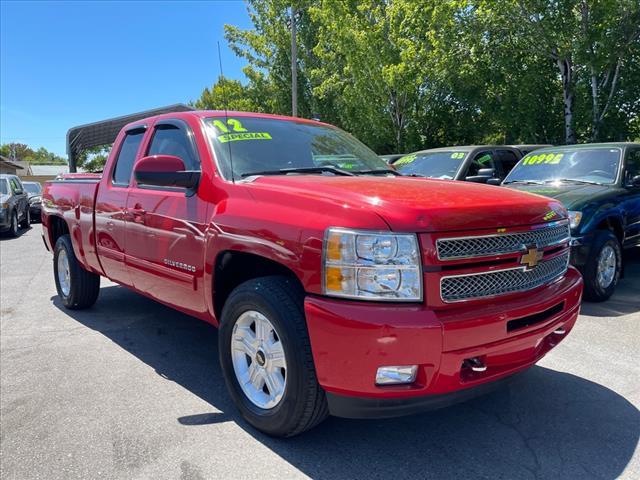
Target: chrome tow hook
point(475, 364)
point(560, 331)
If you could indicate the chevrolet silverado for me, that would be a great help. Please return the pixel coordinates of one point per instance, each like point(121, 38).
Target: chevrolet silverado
point(338, 286)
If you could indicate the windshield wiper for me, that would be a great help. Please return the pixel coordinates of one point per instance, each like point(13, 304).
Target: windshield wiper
point(286, 171)
point(526, 182)
point(571, 180)
point(376, 171)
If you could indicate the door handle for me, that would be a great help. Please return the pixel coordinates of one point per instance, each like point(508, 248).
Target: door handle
point(138, 210)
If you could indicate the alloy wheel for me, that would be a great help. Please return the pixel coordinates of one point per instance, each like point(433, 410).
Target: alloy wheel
point(258, 359)
point(607, 265)
point(64, 273)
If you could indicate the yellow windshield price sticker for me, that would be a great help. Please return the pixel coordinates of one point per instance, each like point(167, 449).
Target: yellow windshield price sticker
point(405, 160)
point(543, 158)
point(231, 130)
point(457, 155)
point(233, 137)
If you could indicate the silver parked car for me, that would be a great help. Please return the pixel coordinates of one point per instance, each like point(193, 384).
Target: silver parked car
point(14, 203)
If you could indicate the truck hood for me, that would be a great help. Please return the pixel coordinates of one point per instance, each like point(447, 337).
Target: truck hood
point(414, 204)
point(573, 196)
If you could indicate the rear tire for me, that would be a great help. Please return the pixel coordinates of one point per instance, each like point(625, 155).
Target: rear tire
point(280, 300)
point(77, 287)
point(602, 270)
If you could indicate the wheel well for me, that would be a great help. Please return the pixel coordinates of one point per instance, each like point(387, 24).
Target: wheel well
point(613, 224)
point(233, 268)
point(57, 228)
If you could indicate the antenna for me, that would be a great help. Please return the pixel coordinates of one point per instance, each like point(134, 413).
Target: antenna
point(226, 115)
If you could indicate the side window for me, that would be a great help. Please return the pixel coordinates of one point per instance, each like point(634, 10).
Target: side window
point(172, 140)
point(507, 160)
point(481, 160)
point(15, 188)
point(633, 164)
point(126, 157)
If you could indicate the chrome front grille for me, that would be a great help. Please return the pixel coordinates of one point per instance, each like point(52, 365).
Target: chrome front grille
point(457, 288)
point(502, 243)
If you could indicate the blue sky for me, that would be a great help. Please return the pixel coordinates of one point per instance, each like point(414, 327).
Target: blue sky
point(67, 63)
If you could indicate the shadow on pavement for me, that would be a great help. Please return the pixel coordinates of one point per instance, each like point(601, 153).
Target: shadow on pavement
point(626, 299)
point(5, 236)
point(545, 424)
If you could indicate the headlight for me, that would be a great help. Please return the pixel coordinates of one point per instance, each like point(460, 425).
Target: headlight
point(371, 265)
point(4, 205)
point(33, 200)
point(574, 219)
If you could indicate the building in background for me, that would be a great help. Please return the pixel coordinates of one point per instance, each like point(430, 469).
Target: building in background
point(9, 166)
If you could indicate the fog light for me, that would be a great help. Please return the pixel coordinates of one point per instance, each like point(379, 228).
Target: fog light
point(393, 375)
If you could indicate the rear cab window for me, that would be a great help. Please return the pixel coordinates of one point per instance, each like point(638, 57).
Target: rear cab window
point(506, 161)
point(127, 157)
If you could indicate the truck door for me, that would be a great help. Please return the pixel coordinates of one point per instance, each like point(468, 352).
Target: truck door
point(165, 235)
point(632, 199)
point(110, 209)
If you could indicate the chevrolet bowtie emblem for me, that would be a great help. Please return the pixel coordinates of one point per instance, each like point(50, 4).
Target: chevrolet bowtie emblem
point(531, 258)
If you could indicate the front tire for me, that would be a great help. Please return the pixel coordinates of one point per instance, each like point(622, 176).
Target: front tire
point(77, 287)
point(603, 267)
point(13, 226)
point(26, 221)
point(266, 358)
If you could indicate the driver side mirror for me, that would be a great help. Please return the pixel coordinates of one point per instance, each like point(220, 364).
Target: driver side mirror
point(483, 176)
point(166, 171)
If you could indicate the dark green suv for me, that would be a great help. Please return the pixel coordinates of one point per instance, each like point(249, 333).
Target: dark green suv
point(599, 184)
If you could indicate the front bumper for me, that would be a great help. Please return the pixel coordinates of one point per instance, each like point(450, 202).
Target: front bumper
point(350, 340)
point(35, 211)
point(580, 249)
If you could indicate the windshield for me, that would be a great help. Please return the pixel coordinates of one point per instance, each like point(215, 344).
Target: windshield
point(444, 165)
point(596, 165)
point(32, 187)
point(4, 187)
point(254, 144)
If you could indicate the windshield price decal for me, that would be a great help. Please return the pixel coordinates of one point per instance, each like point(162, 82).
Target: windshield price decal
point(543, 158)
point(457, 155)
point(237, 131)
point(232, 137)
point(405, 160)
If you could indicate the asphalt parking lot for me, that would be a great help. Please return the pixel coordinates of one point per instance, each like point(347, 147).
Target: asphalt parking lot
point(132, 389)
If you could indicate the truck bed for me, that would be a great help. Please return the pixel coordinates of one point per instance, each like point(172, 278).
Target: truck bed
point(71, 198)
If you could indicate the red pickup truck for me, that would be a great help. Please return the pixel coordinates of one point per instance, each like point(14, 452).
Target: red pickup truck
point(338, 286)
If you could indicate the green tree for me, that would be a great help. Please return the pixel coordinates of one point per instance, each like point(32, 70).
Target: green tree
point(93, 159)
point(229, 95)
point(41, 156)
point(592, 44)
point(15, 151)
point(404, 75)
